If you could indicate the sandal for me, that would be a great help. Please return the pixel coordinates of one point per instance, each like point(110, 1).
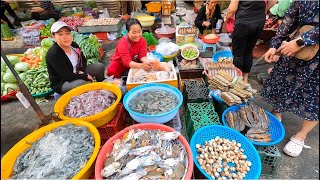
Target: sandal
point(294, 147)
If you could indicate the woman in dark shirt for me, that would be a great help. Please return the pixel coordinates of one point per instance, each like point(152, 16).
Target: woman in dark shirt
point(208, 17)
point(249, 21)
point(45, 11)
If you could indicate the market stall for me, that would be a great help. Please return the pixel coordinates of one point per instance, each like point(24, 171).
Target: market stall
point(191, 116)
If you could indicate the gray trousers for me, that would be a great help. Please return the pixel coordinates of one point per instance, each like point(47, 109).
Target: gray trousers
point(95, 70)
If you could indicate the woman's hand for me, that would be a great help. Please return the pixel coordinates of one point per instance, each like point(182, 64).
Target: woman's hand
point(289, 48)
point(146, 66)
point(89, 77)
point(206, 23)
point(270, 56)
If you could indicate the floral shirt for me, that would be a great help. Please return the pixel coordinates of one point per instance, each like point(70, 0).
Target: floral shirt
point(300, 13)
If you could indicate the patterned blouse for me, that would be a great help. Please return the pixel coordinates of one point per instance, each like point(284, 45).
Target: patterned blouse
point(300, 13)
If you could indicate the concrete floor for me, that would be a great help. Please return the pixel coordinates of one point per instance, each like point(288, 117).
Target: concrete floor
point(17, 122)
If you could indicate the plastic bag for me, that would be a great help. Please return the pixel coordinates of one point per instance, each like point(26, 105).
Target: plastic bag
point(189, 17)
point(112, 36)
point(230, 25)
point(166, 48)
point(164, 29)
point(154, 56)
point(105, 14)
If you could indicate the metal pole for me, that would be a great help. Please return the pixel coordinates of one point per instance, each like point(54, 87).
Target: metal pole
point(23, 88)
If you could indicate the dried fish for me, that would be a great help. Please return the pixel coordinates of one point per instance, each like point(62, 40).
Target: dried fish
point(59, 154)
point(153, 102)
point(89, 103)
point(147, 157)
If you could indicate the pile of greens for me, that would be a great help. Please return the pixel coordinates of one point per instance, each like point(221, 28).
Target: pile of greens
point(151, 40)
point(5, 31)
point(89, 45)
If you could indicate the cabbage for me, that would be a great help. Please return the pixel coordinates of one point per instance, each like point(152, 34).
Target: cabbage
point(23, 76)
point(12, 86)
point(2, 86)
point(3, 66)
point(9, 78)
point(22, 66)
point(13, 59)
point(47, 43)
point(2, 73)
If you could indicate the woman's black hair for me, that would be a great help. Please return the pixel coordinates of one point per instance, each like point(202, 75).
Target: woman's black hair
point(132, 21)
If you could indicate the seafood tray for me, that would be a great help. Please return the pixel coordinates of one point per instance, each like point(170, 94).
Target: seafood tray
point(205, 134)
point(195, 91)
point(175, 123)
point(100, 28)
point(189, 73)
point(270, 158)
point(259, 126)
point(114, 145)
point(173, 82)
point(115, 125)
point(199, 115)
point(7, 162)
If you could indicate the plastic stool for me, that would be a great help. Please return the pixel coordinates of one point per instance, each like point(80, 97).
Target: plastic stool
point(56, 96)
point(205, 46)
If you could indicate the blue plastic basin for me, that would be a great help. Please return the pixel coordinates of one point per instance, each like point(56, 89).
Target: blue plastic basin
point(158, 118)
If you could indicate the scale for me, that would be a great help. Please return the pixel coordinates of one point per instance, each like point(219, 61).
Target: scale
point(180, 17)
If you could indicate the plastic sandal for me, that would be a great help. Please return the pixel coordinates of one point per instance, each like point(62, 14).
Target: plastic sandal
point(294, 147)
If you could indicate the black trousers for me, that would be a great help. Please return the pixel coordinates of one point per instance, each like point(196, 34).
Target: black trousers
point(244, 38)
point(6, 6)
point(38, 16)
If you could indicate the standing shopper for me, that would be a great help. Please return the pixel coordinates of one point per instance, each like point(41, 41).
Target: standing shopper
point(5, 6)
point(293, 84)
point(66, 64)
point(208, 16)
point(45, 11)
point(249, 21)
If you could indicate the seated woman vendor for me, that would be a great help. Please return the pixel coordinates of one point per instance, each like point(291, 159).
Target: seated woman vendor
point(66, 64)
point(131, 51)
point(208, 17)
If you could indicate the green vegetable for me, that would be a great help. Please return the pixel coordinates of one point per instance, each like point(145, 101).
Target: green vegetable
point(11, 85)
point(2, 73)
point(22, 66)
point(151, 40)
point(13, 59)
point(23, 76)
point(47, 43)
point(37, 80)
point(9, 78)
point(90, 4)
point(2, 86)
point(3, 66)
point(190, 53)
point(5, 31)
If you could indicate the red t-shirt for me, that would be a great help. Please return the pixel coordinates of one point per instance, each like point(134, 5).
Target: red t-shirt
point(126, 51)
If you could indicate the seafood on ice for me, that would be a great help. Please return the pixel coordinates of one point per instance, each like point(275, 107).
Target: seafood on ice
point(161, 71)
point(59, 154)
point(153, 102)
point(89, 103)
point(146, 154)
point(252, 117)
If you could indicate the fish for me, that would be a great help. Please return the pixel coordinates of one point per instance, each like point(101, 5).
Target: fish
point(229, 119)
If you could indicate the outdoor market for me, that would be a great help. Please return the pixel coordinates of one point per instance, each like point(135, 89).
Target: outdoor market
point(160, 89)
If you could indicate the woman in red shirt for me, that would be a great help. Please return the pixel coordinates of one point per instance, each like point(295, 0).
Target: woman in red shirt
point(131, 51)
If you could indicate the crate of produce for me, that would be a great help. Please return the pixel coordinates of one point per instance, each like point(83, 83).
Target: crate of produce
point(17, 42)
point(199, 115)
point(196, 91)
point(270, 158)
point(171, 81)
point(175, 123)
point(115, 125)
point(100, 28)
point(189, 69)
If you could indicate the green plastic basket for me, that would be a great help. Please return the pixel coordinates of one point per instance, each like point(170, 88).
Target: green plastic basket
point(199, 115)
point(270, 159)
